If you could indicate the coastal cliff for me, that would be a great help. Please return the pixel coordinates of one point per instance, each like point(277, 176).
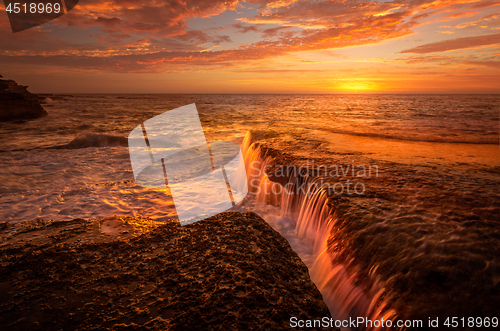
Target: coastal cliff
point(231, 271)
point(17, 103)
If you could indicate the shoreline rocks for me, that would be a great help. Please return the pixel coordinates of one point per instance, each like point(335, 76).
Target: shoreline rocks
point(229, 271)
point(16, 102)
point(429, 231)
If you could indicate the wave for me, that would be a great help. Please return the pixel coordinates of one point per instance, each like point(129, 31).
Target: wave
point(85, 140)
point(416, 139)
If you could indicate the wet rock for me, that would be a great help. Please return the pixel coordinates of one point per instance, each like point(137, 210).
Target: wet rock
point(16, 103)
point(429, 231)
point(231, 271)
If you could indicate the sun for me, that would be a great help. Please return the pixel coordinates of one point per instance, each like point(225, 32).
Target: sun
point(357, 86)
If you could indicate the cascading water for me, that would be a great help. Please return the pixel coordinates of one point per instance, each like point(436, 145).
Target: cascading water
point(299, 210)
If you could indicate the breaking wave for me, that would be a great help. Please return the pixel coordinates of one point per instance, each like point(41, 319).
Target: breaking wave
point(85, 140)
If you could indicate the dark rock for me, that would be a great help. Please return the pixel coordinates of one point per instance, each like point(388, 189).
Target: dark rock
point(231, 271)
point(17, 103)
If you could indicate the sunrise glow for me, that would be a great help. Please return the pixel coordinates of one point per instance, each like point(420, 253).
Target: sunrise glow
point(431, 46)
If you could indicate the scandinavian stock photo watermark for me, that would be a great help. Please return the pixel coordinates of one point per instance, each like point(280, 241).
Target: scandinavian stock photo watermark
point(334, 179)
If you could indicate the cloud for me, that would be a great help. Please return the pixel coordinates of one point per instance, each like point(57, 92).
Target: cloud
point(454, 44)
point(486, 4)
point(491, 21)
point(109, 22)
point(491, 64)
point(273, 32)
point(151, 19)
point(457, 62)
point(156, 35)
point(149, 62)
point(245, 28)
point(460, 15)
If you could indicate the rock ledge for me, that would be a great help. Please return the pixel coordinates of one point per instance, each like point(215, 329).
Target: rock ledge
point(231, 271)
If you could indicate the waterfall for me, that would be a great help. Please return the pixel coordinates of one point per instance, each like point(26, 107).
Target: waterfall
point(303, 204)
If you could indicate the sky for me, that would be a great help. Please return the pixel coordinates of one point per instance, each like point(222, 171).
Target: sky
point(284, 46)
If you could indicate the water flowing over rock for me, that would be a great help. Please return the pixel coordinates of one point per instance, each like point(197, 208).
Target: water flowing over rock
point(421, 242)
point(313, 220)
point(16, 103)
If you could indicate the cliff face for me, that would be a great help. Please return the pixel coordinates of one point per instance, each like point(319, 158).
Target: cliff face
point(231, 271)
point(17, 103)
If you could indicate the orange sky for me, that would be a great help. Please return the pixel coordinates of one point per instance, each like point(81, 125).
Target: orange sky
point(206, 46)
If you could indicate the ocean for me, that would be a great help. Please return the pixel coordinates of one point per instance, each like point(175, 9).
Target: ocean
point(428, 218)
point(74, 164)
